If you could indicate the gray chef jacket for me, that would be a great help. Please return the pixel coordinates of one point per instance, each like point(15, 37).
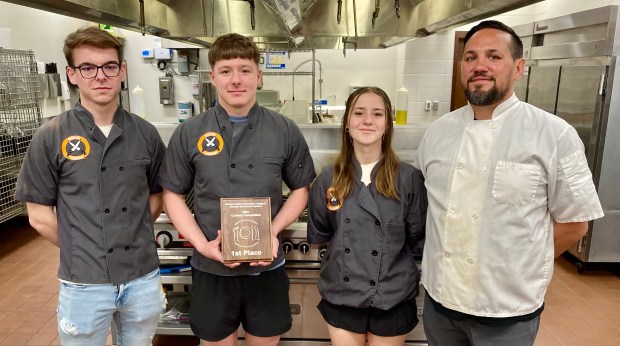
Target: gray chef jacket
point(203, 153)
point(100, 187)
point(370, 259)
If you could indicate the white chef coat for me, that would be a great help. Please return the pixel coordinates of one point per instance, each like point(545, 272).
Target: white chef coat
point(495, 188)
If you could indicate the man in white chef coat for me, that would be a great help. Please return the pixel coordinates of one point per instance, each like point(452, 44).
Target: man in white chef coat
point(509, 189)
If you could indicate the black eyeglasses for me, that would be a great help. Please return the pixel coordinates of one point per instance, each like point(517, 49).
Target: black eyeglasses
point(88, 71)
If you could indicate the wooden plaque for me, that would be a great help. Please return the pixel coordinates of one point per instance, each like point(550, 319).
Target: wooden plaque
point(246, 229)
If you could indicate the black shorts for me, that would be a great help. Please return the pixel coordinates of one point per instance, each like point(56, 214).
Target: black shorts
point(258, 302)
point(399, 320)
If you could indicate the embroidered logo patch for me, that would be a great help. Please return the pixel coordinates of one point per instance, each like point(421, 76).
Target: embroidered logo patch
point(75, 148)
point(334, 202)
point(210, 144)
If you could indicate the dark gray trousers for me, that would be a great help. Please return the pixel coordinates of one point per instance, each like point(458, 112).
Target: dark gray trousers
point(443, 331)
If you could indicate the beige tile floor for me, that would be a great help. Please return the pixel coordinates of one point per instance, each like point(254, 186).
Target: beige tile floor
point(581, 309)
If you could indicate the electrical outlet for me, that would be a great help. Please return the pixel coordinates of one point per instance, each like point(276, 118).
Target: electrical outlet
point(427, 105)
point(435, 105)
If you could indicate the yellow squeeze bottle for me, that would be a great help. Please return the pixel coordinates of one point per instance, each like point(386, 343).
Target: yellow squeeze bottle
point(402, 100)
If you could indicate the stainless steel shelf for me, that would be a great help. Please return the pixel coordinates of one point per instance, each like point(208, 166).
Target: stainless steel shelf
point(287, 73)
point(164, 328)
point(175, 252)
point(184, 278)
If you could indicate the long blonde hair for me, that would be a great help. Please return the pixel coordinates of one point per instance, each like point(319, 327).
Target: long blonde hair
point(344, 171)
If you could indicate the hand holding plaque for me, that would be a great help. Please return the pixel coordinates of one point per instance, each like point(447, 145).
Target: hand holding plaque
point(246, 229)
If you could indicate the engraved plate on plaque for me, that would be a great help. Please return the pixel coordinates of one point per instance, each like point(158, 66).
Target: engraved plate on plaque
point(246, 229)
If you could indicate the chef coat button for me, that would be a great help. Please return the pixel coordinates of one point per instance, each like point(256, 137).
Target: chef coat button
point(347, 220)
point(470, 260)
point(377, 222)
point(483, 168)
point(493, 125)
point(451, 211)
point(299, 165)
point(110, 250)
point(103, 169)
point(375, 252)
point(106, 210)
point(233, 166)
point(459, 166)
point(347, 250)
point(446, 255)
point(127, 247)
point(346, 279)
point(475, 216)
point(121, 168)
point(124, 209)
point(372, 283)
point(250, 166)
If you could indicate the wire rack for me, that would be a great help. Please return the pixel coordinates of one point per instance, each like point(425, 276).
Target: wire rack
point(20, 117)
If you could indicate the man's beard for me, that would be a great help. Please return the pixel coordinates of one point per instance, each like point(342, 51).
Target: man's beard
point(479, 97)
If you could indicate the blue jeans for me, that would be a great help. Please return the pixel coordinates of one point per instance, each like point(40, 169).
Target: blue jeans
point(85, 312)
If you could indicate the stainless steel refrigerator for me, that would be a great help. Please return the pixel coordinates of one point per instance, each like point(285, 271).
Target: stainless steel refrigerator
point(572, 67)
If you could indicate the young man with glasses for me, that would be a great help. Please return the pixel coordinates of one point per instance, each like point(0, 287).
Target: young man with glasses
point(90, 185)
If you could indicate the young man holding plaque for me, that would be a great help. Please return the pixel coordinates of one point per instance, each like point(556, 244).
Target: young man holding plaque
point(237, 149)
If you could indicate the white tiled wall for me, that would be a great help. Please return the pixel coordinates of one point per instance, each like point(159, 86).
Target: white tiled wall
point(424, 67)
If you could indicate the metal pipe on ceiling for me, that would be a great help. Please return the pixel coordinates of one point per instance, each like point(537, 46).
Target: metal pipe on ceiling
point(375, 14)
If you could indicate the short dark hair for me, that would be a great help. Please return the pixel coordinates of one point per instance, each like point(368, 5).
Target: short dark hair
point(516, 46)
point(232, 46)
point(91, 36)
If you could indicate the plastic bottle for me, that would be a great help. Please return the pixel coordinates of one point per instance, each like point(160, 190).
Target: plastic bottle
point(402, 100)
point(137, 105)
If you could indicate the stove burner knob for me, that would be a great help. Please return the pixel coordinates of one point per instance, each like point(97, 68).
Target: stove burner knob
point(164, 239)
point(322, 253)
point(304, 247)
point(287, 247)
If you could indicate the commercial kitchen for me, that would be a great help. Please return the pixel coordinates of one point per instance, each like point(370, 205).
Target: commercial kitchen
point(313, 54)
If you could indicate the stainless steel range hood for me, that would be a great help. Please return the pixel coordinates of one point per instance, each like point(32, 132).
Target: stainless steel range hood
point(283, 24)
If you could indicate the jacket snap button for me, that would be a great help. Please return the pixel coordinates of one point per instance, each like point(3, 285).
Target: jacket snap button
point(110, 250)
point(375, 252)
point(103, 169)
point(347, 220)
point(346, 279)
point(106, 210)
point(347, 250)
point(223, 128)
point(377, 222)
point(121, 168)
point(127, 247)
point(250, 166)
point(299, 165)
point(233, 166)
point(372, 283)
point(124, 209)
